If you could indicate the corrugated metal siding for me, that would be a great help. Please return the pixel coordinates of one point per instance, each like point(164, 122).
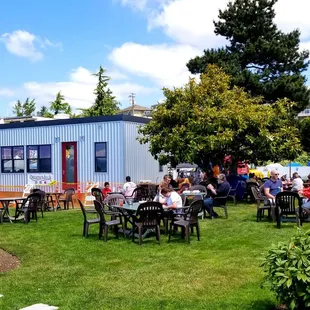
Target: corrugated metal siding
point(139, 163)
point(85, 134)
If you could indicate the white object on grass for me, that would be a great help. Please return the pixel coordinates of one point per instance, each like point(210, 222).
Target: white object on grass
point(40, 307)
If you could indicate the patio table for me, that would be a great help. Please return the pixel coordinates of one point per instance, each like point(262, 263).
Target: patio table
point(5, 204)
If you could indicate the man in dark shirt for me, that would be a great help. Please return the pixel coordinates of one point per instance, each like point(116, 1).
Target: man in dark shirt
point(220, 193)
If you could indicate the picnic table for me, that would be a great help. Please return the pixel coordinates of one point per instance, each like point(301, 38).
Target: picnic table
point(5, 210)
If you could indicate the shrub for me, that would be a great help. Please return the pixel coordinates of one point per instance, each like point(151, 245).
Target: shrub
point(288, 270)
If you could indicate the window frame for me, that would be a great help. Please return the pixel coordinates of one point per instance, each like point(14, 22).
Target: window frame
point(102, 157)
point(39, 158)
point(12, 158)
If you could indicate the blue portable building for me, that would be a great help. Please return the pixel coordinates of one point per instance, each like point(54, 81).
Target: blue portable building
point(77, 150)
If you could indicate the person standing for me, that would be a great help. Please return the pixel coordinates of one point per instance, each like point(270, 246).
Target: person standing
point(129, 187)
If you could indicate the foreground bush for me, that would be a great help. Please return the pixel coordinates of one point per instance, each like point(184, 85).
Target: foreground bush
point(288, 271)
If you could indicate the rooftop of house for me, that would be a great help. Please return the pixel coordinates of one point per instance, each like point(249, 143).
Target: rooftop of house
point(136, 107)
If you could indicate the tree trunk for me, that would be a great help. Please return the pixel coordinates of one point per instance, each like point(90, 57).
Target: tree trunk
point(233, 166)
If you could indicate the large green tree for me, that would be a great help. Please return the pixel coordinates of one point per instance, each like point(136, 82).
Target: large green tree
point(207, 120)
point(105, 103)
point(59, 105)
point(259, 57)
point(24, 109)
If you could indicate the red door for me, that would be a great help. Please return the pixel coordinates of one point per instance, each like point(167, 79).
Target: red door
point(69, 165)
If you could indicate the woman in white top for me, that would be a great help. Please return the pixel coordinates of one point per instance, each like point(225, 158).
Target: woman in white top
point(297, 184)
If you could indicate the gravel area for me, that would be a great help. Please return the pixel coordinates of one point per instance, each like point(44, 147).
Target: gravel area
point(8, 261)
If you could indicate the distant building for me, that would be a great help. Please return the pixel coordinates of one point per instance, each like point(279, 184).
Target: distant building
point(137, 110)
point(33, 118)
point(305, 113)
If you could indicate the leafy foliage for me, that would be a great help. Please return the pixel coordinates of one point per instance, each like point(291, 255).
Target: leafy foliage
point(105, 103)
point(44, 111)
point(302, 159)
point(207, 120)
point(58, 105)
point(24, 109)
point(304, 126)
point(288, 270)
point(260, 58)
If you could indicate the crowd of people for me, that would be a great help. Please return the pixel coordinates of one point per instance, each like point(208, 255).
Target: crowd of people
point(169, 190)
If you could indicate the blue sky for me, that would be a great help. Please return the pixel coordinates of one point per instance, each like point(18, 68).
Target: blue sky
point(51, 46)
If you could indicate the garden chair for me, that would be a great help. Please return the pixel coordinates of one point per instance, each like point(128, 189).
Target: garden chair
point(188, 221)
point(233, 192)
point(104, 225)
point(220, 202)
point(248, 194)
point(30, 207)
point(288, 207)
point(69, 192)
point(259, 198)
point(97, 193)
point(44, 205)
point(148, 216)
point(114, 201)
point(139, 193)
point(87, 221)
point(200, 188)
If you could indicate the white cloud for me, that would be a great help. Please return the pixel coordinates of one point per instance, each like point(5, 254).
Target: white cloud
point(25, 44)
point(304, 46)
point(142, 5)
point(6, 92)
point(294, 14)
point(135, 4)
point(78, 90)
point(165, 64)
point(189, 22)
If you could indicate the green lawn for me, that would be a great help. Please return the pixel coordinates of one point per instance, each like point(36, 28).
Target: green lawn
point(61, 268)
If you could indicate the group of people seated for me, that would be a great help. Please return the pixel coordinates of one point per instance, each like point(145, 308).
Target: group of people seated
point(274, 185)
point(170, 198)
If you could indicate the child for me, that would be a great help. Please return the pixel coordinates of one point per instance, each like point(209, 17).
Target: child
point(106, 189)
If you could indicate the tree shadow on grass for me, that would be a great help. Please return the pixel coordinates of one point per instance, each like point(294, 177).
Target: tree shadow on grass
point(261, 305)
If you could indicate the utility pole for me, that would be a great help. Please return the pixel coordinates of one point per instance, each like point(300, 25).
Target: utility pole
point(132, 97)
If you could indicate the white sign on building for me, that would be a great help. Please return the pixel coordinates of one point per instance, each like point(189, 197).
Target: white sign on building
point(40, 178)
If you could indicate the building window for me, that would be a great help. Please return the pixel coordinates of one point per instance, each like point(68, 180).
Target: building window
point(12, 159)
point(39, 158)
point(161, 168)
point(101, 157)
